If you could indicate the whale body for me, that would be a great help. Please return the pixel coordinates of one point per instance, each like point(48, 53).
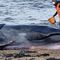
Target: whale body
point(28, 35)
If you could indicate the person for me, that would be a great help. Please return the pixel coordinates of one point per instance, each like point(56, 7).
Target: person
point(56, 3)
point(57, 6)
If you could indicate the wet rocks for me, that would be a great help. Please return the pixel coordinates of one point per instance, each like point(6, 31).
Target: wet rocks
point(52, 59)
point(8, 55)
point(32, 59)
point(45, 54)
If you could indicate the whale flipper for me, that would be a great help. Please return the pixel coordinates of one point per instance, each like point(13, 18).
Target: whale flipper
point(2, 46)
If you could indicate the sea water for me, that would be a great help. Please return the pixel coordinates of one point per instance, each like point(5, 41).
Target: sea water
point(26, 12)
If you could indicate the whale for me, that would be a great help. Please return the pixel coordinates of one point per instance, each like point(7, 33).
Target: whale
point(18, 36)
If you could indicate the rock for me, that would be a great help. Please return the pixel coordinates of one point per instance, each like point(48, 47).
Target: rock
point(8, 55)
point(52, 59)
point(45, 54)
point(32, 59)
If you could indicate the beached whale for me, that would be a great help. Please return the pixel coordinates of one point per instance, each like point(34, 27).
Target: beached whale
point(25, 35)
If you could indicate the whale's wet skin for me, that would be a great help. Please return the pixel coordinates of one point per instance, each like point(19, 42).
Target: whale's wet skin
point(27, 36)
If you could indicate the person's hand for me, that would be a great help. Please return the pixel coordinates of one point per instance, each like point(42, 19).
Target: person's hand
point(52, 20)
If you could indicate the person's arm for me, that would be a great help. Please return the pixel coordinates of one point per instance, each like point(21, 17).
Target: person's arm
point(52, 19)
point(55, 14)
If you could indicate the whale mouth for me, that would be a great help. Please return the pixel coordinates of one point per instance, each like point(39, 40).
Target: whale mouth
point(41, 38)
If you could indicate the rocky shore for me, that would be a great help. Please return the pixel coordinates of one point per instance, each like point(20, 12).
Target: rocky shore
point(30, 54)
